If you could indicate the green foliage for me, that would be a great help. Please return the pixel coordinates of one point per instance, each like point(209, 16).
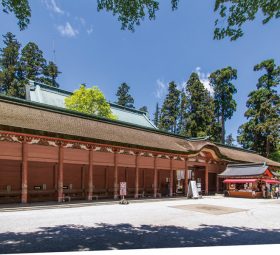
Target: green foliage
point(275, 156)
point(131, 12)
point(32, 61)
point(261, 132)
point(17, 69)
point(157, 115)
point(182, 113)
point(50, 72)
point(20, 8)
point(170, 109)
point(124, 98)
point(89, 101)
point(229, 140)
point(200, 110)
point(144, 109)
point(11, 77)
point(233, 14)
point(224, 90)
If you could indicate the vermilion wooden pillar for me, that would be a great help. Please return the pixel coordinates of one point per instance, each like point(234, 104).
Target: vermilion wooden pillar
point(186, 177)
point(217, 184)
point(116, 192)
point(24, 172)
point(55, 178)
point(155, 176)
point(106, 178)
point(60, 174)
point(171, 178)
point(90, 174)
point(206, 179)
point(136, 175)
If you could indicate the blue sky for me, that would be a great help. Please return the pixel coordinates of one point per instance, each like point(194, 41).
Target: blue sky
point(91, 48)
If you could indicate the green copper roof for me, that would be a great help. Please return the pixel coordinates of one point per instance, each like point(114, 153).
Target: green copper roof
point(45, 94)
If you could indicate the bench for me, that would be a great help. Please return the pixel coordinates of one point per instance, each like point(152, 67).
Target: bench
point(13, 196)
point(74, 194)
point(100, 193)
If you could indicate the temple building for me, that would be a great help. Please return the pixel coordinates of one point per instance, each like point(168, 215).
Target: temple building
point(44, 94)
point(48, 153)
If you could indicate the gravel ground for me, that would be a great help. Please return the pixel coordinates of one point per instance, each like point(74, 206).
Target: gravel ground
point(160, 224)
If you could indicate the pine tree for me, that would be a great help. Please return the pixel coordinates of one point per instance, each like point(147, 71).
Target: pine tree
point(224, 90)
point(11, 82)
point(32, 61)
point(170, 109)
point(229, 140)
point(182, 113)
point(157, 115)
point(50, 73)
point(124, 98)
point(199, 108)
point(144, 109)
point(261, 132)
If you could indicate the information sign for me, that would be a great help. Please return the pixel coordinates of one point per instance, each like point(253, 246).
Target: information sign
point(123, 188)
point(192, 190)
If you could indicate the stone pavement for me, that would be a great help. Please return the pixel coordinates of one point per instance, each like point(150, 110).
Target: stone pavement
point(157, 224)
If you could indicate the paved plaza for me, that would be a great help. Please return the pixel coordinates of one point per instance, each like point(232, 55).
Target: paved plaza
point(209, 221)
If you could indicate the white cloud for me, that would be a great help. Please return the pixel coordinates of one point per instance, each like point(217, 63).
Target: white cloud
point(67, 30)
point(161, 89)
point(204, 78)
point(83, 21)
point(90, 30)
point(52, 5)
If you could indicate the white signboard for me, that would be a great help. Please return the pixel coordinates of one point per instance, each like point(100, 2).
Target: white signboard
point(192, 190)
point(123, 188)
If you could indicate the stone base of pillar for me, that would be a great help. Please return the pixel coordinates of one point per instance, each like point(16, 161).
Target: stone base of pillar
point(60, 199)
point(136, 196)
point(24, 199)
point(89, 198)
point(116, 197)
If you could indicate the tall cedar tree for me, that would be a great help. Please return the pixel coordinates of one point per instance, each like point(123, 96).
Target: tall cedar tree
point(182, 113)
point(124, 98)
point(50, 73)
point(170, 109)
point(261, 132)
point(32, 61)
point(224, 90)
point(11, 77)
point(157, 115)
point(199, 108)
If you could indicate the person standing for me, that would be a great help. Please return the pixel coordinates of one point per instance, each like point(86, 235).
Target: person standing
point(263, 190)
point(277, 192)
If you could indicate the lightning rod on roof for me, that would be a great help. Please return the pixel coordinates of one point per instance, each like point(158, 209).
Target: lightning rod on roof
point(54, 60)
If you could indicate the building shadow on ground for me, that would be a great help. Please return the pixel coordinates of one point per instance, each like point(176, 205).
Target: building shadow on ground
point(125, 236)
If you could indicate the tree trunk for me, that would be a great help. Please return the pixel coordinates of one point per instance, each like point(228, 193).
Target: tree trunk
point(267, 149)
point(223, 127)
